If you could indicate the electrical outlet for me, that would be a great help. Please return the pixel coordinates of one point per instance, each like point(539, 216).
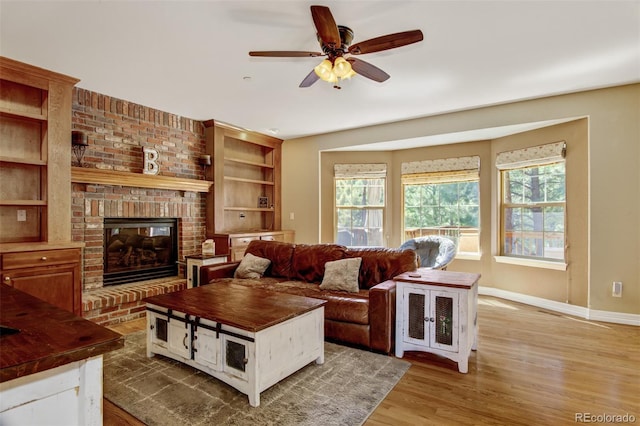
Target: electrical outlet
point(22, 215)
point(292, 216)
point(616, 289)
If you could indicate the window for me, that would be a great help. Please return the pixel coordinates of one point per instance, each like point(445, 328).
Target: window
point(360, 204)
point(442, 197)
point(533, 204)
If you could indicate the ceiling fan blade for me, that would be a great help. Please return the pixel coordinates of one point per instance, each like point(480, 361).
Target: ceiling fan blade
point(286, 54)
point(311, 78)
point(389, 41)
point(365, 69)
point(325, 25)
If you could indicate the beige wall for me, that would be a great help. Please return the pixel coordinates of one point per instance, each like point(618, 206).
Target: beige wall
point(609, 250)
point(563, 286)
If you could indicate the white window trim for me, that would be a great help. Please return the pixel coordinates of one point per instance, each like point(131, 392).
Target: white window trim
point(533, 263)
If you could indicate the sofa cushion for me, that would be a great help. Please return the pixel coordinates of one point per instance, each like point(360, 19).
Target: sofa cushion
point(266, 283)
point(251, 267)
point(308, 260)
point(351, 307)
point(342, 275)
point(278, 252)
point(347, 307)
point(379, 265)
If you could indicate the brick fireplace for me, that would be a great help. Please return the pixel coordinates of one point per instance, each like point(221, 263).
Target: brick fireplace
point(117, 131)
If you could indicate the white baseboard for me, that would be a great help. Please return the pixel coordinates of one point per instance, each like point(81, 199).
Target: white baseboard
point(565, 308)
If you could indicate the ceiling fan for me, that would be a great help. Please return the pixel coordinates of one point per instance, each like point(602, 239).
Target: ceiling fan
point(335, 41)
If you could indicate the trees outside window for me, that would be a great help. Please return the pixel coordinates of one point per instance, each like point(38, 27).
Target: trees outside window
point(446, 207)
point(533, 211)
point(360, 204)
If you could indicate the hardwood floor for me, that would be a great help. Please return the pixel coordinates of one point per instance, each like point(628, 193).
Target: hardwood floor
point(532, 367)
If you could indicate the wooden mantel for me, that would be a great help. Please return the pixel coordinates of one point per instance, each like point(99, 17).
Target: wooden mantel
point(138, 180)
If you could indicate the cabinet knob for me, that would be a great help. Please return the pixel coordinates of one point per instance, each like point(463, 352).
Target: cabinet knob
point(7, 278)
point(43, 258)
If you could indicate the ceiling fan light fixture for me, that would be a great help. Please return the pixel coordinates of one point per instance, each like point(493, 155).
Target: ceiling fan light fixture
point(324, 69)
point(341, 68)
point(350, 74)
point(335, 41)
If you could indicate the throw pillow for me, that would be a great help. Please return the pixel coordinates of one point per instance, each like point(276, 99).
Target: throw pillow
point(251, 267)
point(342, 275)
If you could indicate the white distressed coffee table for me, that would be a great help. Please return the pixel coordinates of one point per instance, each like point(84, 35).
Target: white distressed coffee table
point(248, 338)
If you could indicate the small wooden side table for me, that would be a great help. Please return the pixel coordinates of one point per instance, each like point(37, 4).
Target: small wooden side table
point(195, 262)
point(436, 312)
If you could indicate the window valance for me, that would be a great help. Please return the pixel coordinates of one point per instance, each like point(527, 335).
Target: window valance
point(360, 171)
point(532, 156)
point(442, 170)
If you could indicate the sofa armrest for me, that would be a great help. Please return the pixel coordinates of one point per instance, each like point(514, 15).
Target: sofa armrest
point(219, 270)
point(382, 316)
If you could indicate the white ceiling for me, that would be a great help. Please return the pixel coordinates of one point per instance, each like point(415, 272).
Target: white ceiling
point(190, 57)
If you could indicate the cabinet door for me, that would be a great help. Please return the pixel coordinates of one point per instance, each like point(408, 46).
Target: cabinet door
point(443, 319)
point(159, 329)
point(235, 356)
point(415, 321)
point(206, 347)
point(179, 341)
point(56, 285)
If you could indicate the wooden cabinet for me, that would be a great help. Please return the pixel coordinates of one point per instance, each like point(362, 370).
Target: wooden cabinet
point(38, 256)
point(436, 312)
point(247, 175)
point(50, 275)
point(35, 153)
point(234, 245)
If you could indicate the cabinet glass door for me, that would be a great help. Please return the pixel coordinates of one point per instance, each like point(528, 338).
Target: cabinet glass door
point(415, 321)
point(444, 314)
point(236, 356)
point(160, 330)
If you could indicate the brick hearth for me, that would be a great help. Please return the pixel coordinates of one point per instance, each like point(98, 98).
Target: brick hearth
point(114, 304)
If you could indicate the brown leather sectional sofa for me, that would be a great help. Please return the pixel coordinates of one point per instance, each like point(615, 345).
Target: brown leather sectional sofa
point(365, 318)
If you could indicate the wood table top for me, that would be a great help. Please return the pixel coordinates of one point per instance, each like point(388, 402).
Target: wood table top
point(440, 278)
point(48, 336)
point(249, 309)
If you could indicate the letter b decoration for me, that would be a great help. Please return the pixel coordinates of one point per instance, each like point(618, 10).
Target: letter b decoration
point(150, 165)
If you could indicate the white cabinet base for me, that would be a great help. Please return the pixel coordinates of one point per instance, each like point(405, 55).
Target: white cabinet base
point(436, 312)
point(67, 395)
point(250, 362)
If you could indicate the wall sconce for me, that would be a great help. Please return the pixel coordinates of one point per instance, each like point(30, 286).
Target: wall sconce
point(205, 161)
point(79, 145)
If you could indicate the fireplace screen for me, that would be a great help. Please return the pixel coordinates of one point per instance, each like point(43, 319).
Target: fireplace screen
point(139, 249)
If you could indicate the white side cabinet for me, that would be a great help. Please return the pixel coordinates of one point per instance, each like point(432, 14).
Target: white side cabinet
point(436, 312)
point(195, 262)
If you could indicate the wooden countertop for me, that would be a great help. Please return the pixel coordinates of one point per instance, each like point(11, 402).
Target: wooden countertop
point(49, 336)
point(440, 278)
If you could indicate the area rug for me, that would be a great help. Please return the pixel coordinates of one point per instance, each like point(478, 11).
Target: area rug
point(159, 391)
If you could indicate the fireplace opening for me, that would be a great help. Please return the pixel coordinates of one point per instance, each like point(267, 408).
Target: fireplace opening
point(139, 249)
